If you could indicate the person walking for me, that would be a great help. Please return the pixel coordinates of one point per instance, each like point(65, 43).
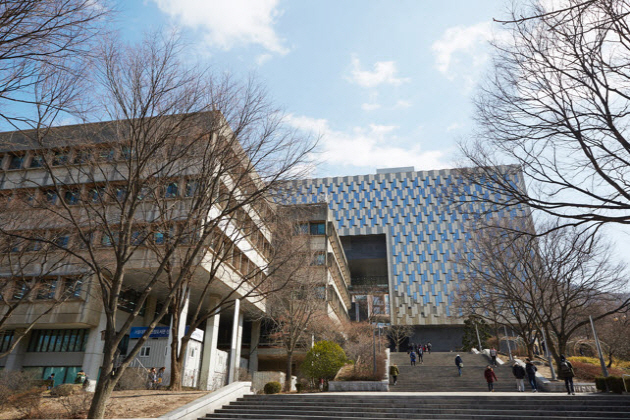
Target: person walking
point(393, 370)
point(531, 369)
point(493, 355)
point(567, 373)
point(412, 358)
point(519, 373)
point(459, 363)
point(160, 378)
point(152, 379)
point(420, 354)
point(429, 347)
point(51, 381)
point(491, 377)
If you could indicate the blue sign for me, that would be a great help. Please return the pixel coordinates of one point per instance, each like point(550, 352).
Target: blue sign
point(158, 332)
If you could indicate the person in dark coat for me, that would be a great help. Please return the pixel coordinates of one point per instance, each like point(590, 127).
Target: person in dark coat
point(429, 347)
point(567, 373)
point(459, 363)
point(491, 377)
point(531, 369)
point(519, 373)
point(420, 354)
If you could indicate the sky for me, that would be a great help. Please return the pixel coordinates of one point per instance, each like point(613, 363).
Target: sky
point(384, 83)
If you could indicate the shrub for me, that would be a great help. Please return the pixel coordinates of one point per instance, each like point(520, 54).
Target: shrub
point(324, 360)
point(65, 390)
point(615, 384)
point(582, 359)
point(272, 387)
point(588, 372)
point(600, 383)
point(298, 387)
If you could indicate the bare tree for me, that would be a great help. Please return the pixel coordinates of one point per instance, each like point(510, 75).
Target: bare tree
point(614, 334)
point(552, 282)
point(298, 309)
point(167, 196)
point(556, 107)
point(38, 40)
point(399, 333)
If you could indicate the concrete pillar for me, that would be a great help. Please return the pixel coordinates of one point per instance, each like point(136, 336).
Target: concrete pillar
point(14, 359)
point(93, 356)
point(149, 310)
point(210, 340)
point(253, 347)
point(235, 347)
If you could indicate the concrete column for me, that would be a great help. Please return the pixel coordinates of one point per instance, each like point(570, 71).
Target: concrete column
point(149, 310)
point(14, 359)
point(93, 356)
point(210, 340)
point(253, 347)
point(235, 347)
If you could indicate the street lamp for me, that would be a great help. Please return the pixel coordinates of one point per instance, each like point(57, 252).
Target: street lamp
point(599, 349)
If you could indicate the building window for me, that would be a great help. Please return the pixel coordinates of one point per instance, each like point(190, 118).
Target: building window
point(51, 197)
point(20, 289)
point(71, 340)
point(72, 287)
point(192, 187)
point(318, 228)
point(301, 228)
point(319, 258)
point(82, 156)
point(97, 194)
point(37, 161)
point(106, 155)
point(121, 194)
point(60, 158)
point(145, 351)
point(71, 197)
point(15, 161)
point(62, 241)
point(46, 289)
point(171, 190)
point(6, 337)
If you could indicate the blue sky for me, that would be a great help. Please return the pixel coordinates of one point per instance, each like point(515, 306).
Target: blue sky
point(385, 83)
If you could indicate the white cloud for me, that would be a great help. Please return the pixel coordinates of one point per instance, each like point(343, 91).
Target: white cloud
point(263, 58)
point(370, 106)
point(371, 146)
point(462, 51)
point(384, 72)
point(402, 104)
point(453, 127)
point(226, 24)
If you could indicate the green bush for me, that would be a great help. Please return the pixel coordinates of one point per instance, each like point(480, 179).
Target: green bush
point(324, 360)
point(272, 387)
point(298, 387)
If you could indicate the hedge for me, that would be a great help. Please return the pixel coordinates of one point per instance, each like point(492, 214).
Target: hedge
point(615, 383)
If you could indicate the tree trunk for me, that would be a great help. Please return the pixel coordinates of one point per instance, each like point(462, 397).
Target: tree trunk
point(610, 359)
point(397, 347)
point(177, 366)
point(104, 388)
point(287, 382)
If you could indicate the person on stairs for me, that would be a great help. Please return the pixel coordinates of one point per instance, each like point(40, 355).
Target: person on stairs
point(429, 347)
point(493, 355)
point(567, 373)
point(531, 369)
point(491, 377)
point(519, 373)
point(412, 358)
point(460, 364)
point(393, 370)
point(420, 354)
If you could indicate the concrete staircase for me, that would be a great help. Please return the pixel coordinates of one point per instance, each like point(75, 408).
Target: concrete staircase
point(438, 373)
point(414, 406)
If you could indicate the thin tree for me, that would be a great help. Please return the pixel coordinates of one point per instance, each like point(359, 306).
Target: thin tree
point(399, 333)
point(556, 106)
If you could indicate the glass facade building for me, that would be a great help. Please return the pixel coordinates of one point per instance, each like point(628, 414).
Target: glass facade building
point(425, 220)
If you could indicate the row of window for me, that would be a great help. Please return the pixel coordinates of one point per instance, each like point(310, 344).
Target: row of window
point(47, 288)
point(6, 337)
point(58, 340)
point(61, 157)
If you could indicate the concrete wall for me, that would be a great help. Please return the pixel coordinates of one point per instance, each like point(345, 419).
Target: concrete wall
point(445, 338)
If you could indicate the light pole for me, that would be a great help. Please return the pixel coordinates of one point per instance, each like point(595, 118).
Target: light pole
point(374, 349)
point(599, 348)
point(548, 354)
point(507, 340)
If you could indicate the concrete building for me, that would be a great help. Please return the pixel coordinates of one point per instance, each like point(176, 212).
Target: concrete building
point(43, 183)
point(403, 231)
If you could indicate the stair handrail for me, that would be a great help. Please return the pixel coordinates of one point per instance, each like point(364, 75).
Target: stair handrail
point(624, 381)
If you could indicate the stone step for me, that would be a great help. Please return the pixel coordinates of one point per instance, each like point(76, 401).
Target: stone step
point(375, 416)
point(385, 397)
point(524, 406)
